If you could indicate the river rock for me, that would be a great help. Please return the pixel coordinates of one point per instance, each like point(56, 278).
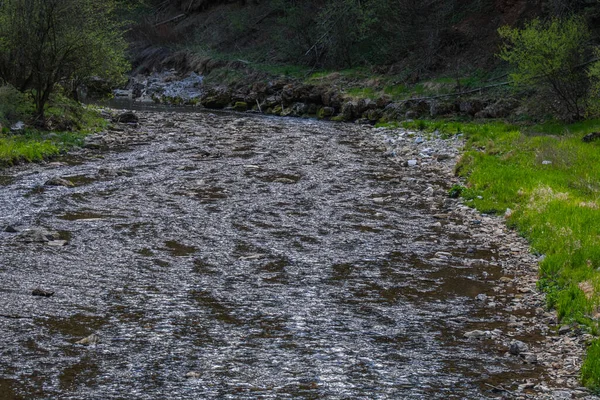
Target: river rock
point(57, 181)
point(477, 334)
point(590, 137)
point(41, 293)
point(38, 235)
point(126, 118)
point(517, 347)
point(564, 329)
point(57, 243)
point(11, 229)
point(529, 358)
point(92, 339)
point(216, 99)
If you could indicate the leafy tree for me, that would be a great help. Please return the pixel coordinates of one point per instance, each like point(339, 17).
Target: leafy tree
point(44, 43)
point(549, 57)
point(594, 76)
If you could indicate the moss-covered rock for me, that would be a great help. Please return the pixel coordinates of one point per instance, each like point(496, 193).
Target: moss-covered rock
point(240, 106)
point(325, 112)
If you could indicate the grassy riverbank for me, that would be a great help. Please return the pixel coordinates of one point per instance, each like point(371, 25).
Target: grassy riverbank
point(35, 146)
point(546, 181)
point(67, 122)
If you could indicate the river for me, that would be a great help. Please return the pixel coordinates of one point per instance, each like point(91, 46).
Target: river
point(243, 257)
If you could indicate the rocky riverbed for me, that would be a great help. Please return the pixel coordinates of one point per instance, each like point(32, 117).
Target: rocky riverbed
point(232, 256)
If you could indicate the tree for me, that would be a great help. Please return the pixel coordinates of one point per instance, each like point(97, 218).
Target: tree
point(549, 57)
point(594, 76)
point(44, 43)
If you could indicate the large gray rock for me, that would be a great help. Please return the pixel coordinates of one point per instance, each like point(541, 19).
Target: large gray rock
point(38, 235)
point(517, 347)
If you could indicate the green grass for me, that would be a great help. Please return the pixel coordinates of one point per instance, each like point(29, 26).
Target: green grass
point(294, 71)
point(550, 179)
point(590, 371)
point(368, 93)
point(34, 146)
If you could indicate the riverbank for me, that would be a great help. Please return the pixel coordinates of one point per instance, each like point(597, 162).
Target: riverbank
point(358, 95)
point(23, 140)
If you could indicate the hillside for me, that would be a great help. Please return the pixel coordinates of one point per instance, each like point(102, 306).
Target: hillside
point(414, 38)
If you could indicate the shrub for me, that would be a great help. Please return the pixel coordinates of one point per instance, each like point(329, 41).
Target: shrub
point(14, 105)
point(548, 57)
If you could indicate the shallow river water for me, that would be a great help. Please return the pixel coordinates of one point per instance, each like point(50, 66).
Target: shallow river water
point(237, 257)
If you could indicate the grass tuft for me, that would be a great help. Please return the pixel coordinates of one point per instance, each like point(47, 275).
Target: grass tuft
point(590, 371)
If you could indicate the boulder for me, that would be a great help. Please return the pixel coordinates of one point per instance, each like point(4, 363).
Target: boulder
point(126, 118)
point(470, 107)
point(500, 109)
point(393, 112)
point(374, 115)
point(325, 112)
point(216, 99)
point(348, 111)
point(38, 235)
point(517, 347)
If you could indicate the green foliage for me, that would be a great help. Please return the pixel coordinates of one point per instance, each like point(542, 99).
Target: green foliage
point(34, 146)
point(362, 92)
point(14, 106)
point(44, 43)
point(572, 304)
point(590, 370)
point(594, 76)
point(14, 149)
point(456, 191)
point(331, 34)
point(547, 56)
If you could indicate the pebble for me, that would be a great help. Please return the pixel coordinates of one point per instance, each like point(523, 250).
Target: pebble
point(481, 297)
point(92, 339)
point(478, 334)
point(57, 243)
point(564, 329)
point(529, 358)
